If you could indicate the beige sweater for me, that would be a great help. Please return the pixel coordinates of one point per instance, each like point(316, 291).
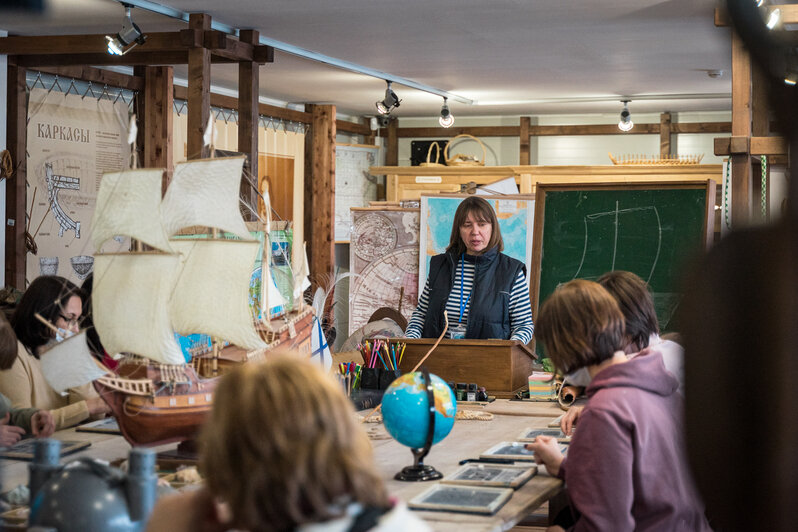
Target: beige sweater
point(25, 386)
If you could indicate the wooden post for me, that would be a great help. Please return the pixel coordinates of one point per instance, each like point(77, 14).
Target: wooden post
point(524, 154)
point(199, 90)
point(140, 107)
point(320, 192)
point(16, 198)
point(159, 120)
point(741, 127)
point(248, 89)
point(392, 143)
point(664, 135)
point(760, 127)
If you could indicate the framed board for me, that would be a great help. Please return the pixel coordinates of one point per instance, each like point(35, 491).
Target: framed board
point(354, 185)
point(555, 423)
point(23, 450)
point(498, 475)
point(653, 230)
point(103, 426)
point(530, 434)
point(467, 499)
point(513, 450)
point(515, 214)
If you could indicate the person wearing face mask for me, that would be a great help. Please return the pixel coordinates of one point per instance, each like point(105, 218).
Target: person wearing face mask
point(484, 293)
point(626, 467)
point(641, 330)
point(58, 301)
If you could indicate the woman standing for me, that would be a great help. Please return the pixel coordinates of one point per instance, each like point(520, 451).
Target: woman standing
point(484, 292)
point(58, 301)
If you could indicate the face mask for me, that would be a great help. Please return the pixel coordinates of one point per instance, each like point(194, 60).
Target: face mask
point(580, 377)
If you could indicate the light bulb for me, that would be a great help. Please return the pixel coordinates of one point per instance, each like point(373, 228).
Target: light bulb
point(446, 121)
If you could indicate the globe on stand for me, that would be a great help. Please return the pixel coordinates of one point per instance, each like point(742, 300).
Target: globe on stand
point(418, 410)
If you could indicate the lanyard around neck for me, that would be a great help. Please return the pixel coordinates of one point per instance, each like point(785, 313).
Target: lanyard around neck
point(462, 282)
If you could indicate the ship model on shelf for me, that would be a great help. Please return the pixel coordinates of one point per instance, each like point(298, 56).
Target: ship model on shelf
point(191, 284)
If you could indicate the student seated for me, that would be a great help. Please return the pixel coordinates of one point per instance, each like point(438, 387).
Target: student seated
point(626, 467)
point(282, 451)
point(21, 379)
point(17, 422)
point(641, 330)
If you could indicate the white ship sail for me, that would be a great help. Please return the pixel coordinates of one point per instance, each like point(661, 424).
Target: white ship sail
point(211, 292)
point(129, 204)
point(271, 298)
point(301, 273)
point(205, 193)
point(130, 303)
point(69, 364)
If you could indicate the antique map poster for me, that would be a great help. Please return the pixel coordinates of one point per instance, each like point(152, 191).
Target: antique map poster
point(383, 256)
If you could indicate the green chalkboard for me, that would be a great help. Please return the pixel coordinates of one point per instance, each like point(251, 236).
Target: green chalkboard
point(584, 231)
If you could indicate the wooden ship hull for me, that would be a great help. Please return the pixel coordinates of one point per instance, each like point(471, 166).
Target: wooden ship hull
point(293, 332)
point(157, 404)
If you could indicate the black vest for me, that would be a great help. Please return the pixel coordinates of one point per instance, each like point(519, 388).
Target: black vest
point(489, 311)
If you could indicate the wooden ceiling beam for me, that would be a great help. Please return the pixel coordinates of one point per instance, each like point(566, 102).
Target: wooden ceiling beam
point(477, 131)
point(103, 59)
point(754, 146)
point(97, 76)
point(789, 14)
point(78, 48)
point(701, 127)
point(84, 44)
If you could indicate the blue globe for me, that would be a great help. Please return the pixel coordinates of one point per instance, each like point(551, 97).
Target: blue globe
point(405, 409)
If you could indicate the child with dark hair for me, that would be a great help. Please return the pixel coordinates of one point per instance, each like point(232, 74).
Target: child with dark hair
point(626, 467)
point(16, 422)
point(641, 330)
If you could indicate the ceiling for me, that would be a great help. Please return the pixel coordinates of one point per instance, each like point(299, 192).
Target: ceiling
point(512, 57)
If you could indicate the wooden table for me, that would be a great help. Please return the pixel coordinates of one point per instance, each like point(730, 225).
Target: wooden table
point(468, 439)
point(108, 447)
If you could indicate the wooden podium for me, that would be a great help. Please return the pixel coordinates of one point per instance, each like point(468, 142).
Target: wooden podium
point(501, 366)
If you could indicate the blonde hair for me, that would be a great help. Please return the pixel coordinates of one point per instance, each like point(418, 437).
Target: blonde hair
point(580, 324)
point(282, 447)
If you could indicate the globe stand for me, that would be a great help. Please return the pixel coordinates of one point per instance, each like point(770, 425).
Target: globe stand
point(419, 472)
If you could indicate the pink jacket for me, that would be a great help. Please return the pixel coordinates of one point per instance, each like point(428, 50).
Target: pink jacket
point(626, 467)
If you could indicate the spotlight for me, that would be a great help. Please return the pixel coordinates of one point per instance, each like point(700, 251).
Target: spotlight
point(127, 38)
point(626, 124)
point(447, 118)
point(773, 18)
point(791, 78)
point(388, 103)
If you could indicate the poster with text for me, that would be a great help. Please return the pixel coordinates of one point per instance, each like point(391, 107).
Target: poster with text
point(72, 141)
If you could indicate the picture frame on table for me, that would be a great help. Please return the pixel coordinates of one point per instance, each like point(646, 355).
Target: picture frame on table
point(466, 499)
point(495, 475)
point(529, 434)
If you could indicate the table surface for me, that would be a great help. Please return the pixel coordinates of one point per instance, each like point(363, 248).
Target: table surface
point(468, 439)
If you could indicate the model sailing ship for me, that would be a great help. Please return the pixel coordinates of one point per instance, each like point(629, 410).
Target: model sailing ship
point(186, 285)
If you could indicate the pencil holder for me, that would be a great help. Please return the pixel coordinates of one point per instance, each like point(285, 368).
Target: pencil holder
point(387, 376)
point(370, 379)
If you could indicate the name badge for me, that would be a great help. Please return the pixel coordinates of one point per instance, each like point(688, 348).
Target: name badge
point(457, 332)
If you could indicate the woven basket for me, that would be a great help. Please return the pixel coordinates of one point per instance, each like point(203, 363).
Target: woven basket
point(459, 159)
point(437, 156)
